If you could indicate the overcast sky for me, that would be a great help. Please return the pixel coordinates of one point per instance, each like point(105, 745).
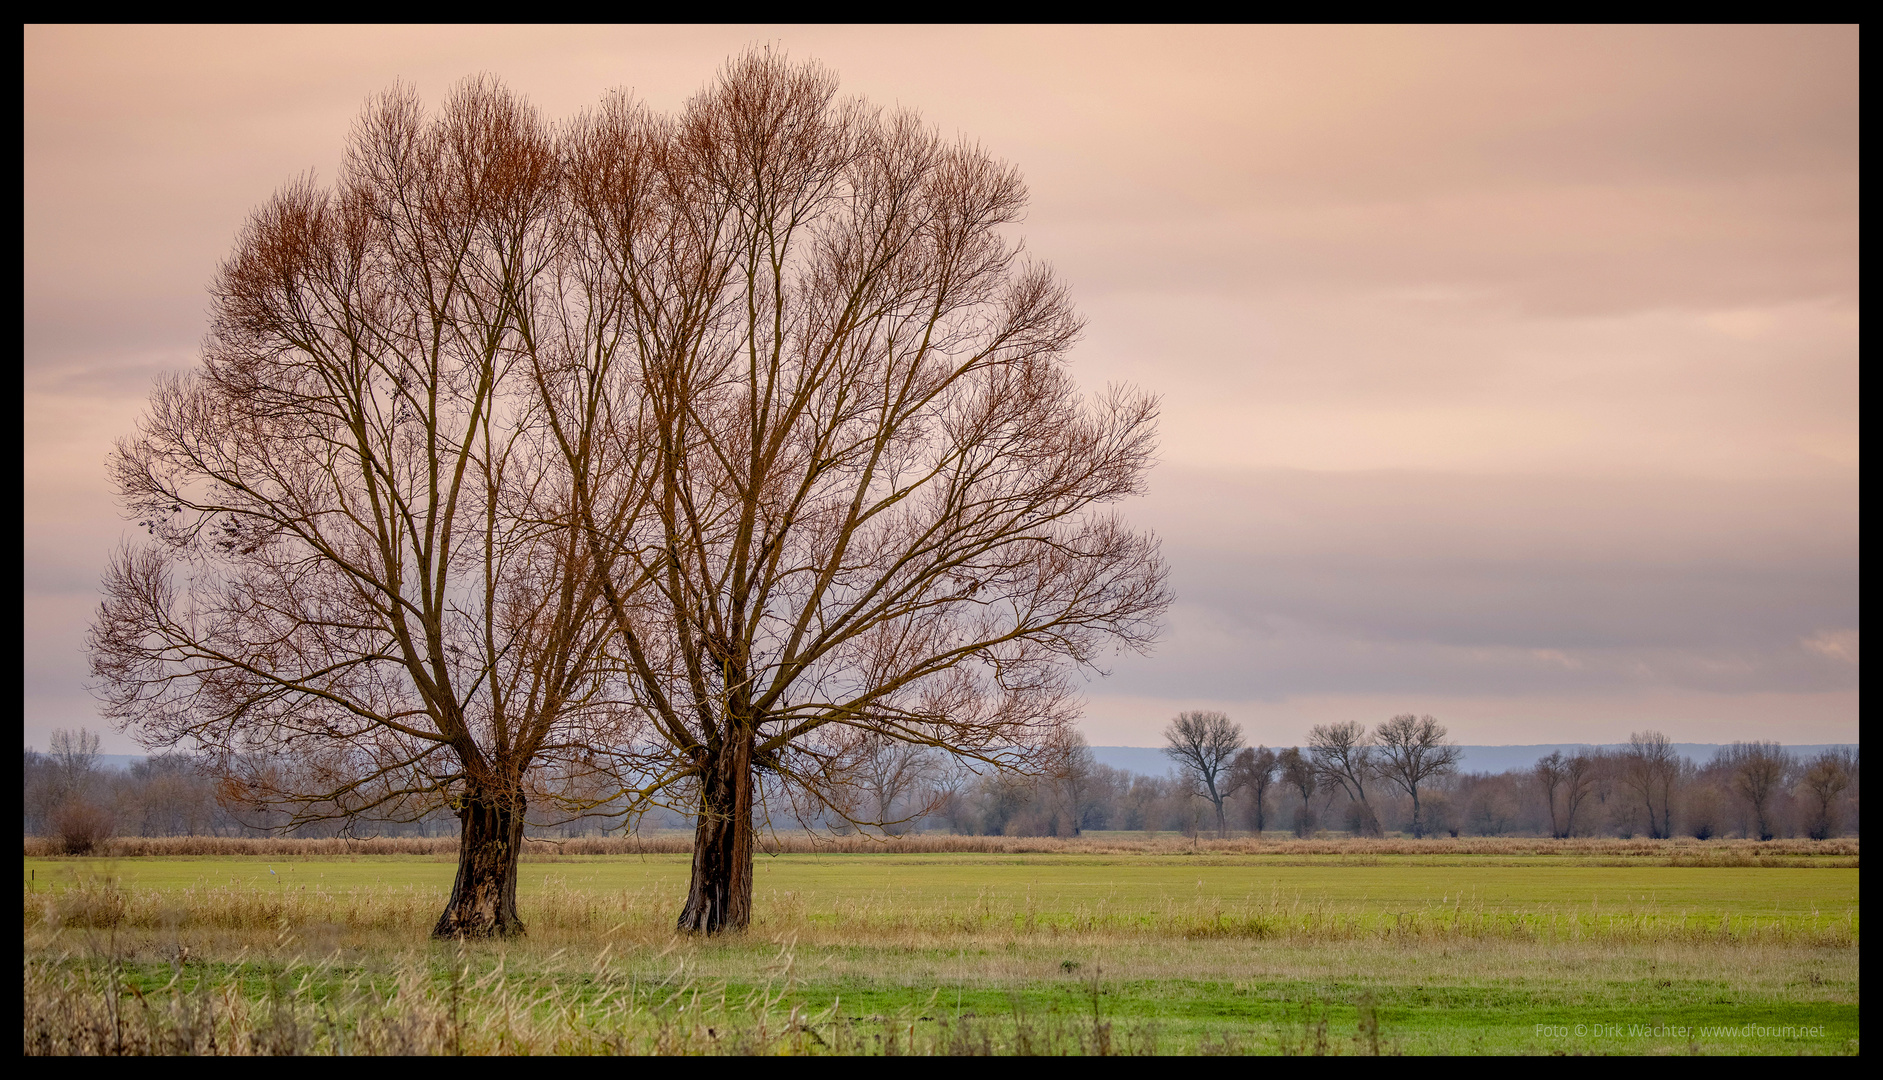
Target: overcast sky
point(1508, 375)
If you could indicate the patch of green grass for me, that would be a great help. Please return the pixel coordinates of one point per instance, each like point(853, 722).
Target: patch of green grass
point(952, 953)
point(1059, 883)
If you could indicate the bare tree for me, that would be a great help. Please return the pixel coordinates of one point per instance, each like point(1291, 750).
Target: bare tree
point(1254, 771)
point(169, 795)
point(1203, 744)
point(1491, 804)
point(898, 780)
point(1755, 773)
point(1549, 771)
point(1572, 777)
point(841, 482)
point(1581, 774)
point(1075, 776)
point(367, 589)
point(1825, 779)
point(1343, 758)
point(74, 759)
point(72, 807)
point(1412, 749)
point(1649, 770)
point(1297, 771)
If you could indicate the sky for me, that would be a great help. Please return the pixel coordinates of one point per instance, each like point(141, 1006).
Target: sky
point(1508, 375)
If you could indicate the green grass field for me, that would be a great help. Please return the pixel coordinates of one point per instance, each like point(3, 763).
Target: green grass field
point(958, 953)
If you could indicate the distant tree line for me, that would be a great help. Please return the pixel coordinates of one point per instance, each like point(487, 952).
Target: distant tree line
point(1400, 778)
point(71, 796)
point(1403, 778)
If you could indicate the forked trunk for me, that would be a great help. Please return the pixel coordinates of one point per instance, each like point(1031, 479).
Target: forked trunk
point(720, 896)
point(484, 898)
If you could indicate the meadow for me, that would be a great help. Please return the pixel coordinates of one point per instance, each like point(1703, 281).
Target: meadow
point(1106, 945)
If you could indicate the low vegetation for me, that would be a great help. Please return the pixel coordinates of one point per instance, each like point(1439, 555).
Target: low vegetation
point(1092, 946)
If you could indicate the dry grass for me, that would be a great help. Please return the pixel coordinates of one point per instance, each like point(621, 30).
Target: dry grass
point(1677, 852)
point(96, 1007)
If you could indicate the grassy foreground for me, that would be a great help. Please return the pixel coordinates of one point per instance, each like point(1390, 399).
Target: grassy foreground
point(1051, 952)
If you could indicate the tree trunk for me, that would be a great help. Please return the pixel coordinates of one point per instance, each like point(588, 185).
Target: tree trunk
point(484, 898)
point(1418, 822)
point(1360, 818)
point(720, 895)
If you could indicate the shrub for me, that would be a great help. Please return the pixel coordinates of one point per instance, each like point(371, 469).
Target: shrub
point(80, 826)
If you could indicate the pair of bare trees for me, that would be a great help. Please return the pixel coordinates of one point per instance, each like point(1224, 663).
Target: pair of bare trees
point(643, 460)
point(1649, 769)
point(1406, 751)
point(1566, 783)
point(1758, 773)
point(1208, 751)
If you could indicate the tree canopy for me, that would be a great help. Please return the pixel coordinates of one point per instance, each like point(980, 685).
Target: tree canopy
point(645, 458)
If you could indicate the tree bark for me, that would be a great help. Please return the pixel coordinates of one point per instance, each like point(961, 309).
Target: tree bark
point(484, 898)
point(720, 895)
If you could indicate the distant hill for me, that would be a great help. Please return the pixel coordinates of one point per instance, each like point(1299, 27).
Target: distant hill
point(120, 762)
point(1150, 761)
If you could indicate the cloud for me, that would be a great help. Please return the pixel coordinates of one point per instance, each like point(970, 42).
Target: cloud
point(1839, 645)
point(1292, 582)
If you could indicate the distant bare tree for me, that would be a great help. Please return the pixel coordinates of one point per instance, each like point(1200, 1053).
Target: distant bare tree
point(78, 813)
point(1549, 777)
point(1580, 774)
point(1253, 771)
point(173, 794)
point(1297, 771)
point(1650, 769)
point(1564, 783)
point(1755, 773)
point(1203, 744)
point(897, 778)
point(1491, 806)
point(74, 759)
point(1413, 749)
point(1825, 779)
point(1343, 757)
point(1075, 775)
point(1702, 808)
